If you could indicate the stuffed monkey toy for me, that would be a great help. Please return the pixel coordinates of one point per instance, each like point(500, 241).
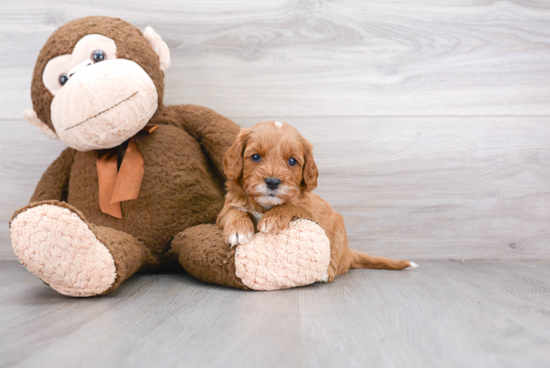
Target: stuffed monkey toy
point(140, 184)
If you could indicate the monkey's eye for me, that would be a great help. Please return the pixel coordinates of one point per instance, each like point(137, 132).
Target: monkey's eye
point(292, 162)
point(256, 158)
point(63, 79)
point(98, 55)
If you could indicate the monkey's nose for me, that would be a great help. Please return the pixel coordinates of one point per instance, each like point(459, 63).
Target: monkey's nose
point(272, 183)
point(77, 67)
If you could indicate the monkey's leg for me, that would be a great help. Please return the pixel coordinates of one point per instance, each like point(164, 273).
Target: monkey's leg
point(203, 253)
point(296, 256)
point(56, 243)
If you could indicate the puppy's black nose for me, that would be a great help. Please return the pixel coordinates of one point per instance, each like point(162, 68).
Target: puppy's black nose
point(272, 183)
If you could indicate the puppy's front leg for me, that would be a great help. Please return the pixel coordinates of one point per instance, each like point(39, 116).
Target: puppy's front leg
point(278, 218)
point(237, 226)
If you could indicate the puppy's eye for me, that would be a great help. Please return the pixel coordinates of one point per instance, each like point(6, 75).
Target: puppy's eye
point(256, 158)
point(98, 55)
point(63, 79)
point(292, 162)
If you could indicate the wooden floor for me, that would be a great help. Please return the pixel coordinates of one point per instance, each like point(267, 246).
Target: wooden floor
point(443, 314)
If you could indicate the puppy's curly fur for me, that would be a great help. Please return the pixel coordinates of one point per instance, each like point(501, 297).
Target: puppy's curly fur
point(271, 174)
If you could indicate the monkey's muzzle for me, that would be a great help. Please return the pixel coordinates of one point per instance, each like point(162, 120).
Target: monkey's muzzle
point(103, 105)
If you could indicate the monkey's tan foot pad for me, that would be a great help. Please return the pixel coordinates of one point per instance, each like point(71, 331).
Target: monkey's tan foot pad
point(296, 256)
point(56, 245)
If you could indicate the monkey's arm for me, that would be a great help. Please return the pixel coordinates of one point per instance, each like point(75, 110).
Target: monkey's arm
point(54, 184)
point(214, 132)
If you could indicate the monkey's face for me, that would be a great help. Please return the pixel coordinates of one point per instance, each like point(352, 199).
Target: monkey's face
point(100, 101)
point(99, 96)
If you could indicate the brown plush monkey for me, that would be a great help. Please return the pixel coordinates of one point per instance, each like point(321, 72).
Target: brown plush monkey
point(141, 183)
point(98, 82)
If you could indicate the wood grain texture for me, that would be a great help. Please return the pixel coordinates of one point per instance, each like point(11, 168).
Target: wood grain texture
point(318, 58)
point(444, 314)
point(26, 153)
point(436, 187)
point(416, 188)
point(430, 119)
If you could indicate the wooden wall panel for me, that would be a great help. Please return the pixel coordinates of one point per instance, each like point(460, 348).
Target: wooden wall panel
point(319, 58)
point(437, 188)
point(424, 188)
point(430, 119)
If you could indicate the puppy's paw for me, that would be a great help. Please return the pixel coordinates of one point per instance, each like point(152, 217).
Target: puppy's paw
point(331, 273)
point(238, 232)
point(273, 223)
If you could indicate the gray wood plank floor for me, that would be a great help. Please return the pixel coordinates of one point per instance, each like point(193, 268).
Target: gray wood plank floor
point(443, 314)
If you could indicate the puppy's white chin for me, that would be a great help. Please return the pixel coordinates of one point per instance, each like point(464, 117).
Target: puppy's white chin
point(268, 201)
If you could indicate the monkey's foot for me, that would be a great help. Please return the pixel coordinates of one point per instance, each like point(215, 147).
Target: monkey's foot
point(296, 256)
point(59, 247)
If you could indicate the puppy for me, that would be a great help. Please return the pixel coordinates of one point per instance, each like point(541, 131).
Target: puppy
point(271, 175)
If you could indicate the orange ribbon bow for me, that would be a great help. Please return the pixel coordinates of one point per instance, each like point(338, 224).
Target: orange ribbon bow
point(117, 185)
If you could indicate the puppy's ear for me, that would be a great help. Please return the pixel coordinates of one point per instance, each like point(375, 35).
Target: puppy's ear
point(233, 159)
point(310, 172)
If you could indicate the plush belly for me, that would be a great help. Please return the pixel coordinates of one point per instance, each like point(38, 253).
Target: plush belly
point(178, 189)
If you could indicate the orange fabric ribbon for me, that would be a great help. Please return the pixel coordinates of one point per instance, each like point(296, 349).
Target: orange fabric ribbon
point(117, 185)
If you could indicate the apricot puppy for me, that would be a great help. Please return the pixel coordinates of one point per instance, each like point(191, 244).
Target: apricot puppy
point(271, 174)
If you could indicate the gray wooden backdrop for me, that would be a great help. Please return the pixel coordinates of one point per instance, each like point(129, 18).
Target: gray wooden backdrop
point(430, 119)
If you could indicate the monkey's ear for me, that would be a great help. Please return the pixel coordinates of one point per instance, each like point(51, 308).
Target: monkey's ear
point(32, 118)
point(159, 46)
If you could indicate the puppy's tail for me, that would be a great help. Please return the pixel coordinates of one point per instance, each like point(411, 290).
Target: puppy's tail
point(364, 260)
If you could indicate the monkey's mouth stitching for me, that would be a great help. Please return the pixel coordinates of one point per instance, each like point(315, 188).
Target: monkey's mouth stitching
point(104, 111)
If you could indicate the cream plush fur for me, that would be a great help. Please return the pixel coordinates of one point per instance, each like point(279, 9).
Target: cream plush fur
point(296, 256)
point(62, 251)
point(101, 89)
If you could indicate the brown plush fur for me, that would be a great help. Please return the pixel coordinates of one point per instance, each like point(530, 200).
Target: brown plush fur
point(179, 189)
point(248, 193)
point(130, 45)
point(183, 182)
point(203, 253)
